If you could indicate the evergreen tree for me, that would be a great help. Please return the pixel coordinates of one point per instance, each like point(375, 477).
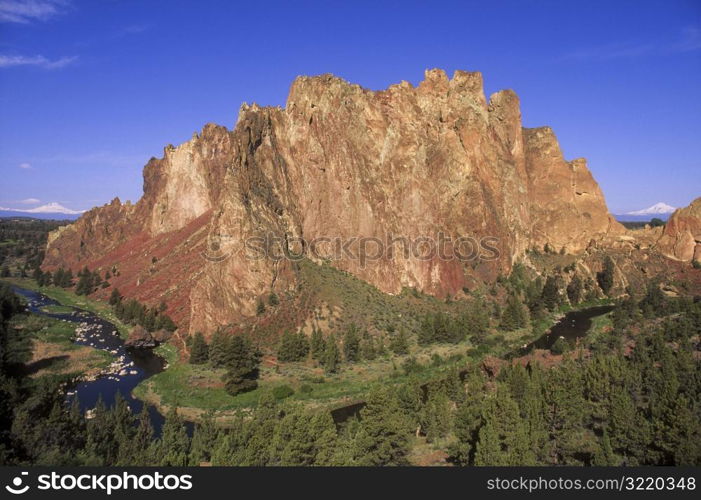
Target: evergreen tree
point(368, 350)
point(560, 346)
point(85, 283)
point(575, 290)
point(551, 293)
point(628, 430)
point(142, 442)
point(399, 343)
point(204, 440)
point(317, 344)
point(503, 436)
point(332, 355)
point(241, 360)
point(293, 347)
point(436, 415)
point(654, 302)
point(115, 297)
point(604, 455)
point(217, 349)
point(199, 352)
point(351, 344)
point(173, 447)
point(605, 277)
point(383, 436)
point(515, 314)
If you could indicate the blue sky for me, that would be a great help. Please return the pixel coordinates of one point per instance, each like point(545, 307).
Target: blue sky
point(90, 90)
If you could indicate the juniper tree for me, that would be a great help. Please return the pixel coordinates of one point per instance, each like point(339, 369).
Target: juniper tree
point(515, 315)
point(204, 439)
point(332, 355)
point(383, 437)
point(399, 343)
point(217, 349)
point(551, 293)
point(368, 350)
point(351, 344)
point(241, 360)
point(575, 290)
point(199, 352)
point(115, 297)
point(173, 447)
point(293, 347)
point(317, 344)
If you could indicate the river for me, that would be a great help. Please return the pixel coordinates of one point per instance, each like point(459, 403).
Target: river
point(129, 368)
point(134, 365)
point(572, 327)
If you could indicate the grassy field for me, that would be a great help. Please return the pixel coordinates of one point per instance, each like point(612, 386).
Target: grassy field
point(53, 349)
point(70, 299)
point(197, 388)
point(57, 309)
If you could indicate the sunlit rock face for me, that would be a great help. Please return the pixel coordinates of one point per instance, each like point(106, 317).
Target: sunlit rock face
point(340, 161)
point(681, 237)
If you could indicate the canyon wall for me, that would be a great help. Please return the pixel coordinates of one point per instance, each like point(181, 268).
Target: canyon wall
point(435, 161)
point(681, 236)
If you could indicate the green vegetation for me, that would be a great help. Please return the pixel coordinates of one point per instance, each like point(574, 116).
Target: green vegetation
point(355, 360)
point(22, 244)
point(293, 347)
point(605, 277)
point(635, 406)
point(70, 299)
point(134, 313)
point(241, 361)
point(332, 355)
point(199, 350)
point(57, 309)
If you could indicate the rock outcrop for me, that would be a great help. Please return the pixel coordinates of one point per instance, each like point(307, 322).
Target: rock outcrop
point(681, 237)
point(142, 338)
point(434, 161)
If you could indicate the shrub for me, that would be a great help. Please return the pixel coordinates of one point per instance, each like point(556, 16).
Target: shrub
point(282, 391)
point(560, 346)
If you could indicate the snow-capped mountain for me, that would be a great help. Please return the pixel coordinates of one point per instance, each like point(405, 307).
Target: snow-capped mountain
point(660, 208)
point(51, 210)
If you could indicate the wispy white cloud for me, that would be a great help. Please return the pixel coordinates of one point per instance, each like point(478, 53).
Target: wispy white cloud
point(27, 11)
point(37, 61)
point(30, 201)
point(25, 166)
point(689, 41)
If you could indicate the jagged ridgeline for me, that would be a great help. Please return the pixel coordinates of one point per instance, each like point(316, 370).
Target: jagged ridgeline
point(341, 161)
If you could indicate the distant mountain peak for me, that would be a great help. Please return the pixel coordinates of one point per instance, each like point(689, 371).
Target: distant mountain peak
point(49, 208)
point(656, 209)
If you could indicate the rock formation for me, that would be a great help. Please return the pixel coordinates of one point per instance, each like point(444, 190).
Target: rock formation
point(681, 237)
point(340, 161)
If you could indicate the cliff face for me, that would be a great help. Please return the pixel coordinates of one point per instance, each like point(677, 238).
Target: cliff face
point(681, 237)
point(340, 161)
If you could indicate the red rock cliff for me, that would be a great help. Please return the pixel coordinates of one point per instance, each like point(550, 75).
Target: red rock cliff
point(341, 161)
